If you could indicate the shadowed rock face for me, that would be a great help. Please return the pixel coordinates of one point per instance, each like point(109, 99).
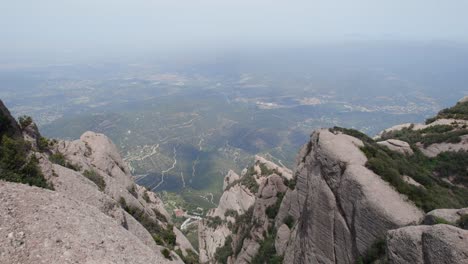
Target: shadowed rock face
point(8, 123)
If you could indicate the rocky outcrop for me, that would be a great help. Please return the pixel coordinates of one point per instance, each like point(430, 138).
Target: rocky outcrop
point(397, 145)
point(242, 214)
point(43, 226)
point(451, 216)
point(341, 207)
point(427, 245)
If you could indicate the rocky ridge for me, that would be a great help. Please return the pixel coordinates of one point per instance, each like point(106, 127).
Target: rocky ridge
point(344, 203)
point(95, 213)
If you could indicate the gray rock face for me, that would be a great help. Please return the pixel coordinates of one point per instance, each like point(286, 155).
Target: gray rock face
point(428, 245)
point(341, 207)
point(42, 226)
point(282, 239)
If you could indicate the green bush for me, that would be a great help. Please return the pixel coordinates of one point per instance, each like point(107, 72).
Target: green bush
point(25, 121)
point(249, 181)
point(289, 221)
point(166, 253)
point(162, 236)
point(265, 170)
point(5, 125)
point(96, 178)
point(43, 144)
point(272, 211)
point(224, 252)
point(231, 213)
point(267, 253)
point(59, 158)
point(459, 111)
point(16, 166)
point(375, 252)
point(214, 222)
point(463, 222)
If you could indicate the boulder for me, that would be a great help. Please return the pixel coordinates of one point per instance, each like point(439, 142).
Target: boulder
point(428, 245)
point(449, 215)
point(397, 145)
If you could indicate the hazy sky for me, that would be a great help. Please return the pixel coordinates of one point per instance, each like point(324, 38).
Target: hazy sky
point(99, 26)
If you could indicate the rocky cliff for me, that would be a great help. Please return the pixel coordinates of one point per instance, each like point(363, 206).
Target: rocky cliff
point(351, 199)
point(89, 211)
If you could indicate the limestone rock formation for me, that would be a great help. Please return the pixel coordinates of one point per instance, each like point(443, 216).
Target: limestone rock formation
point(427, 245)
point(43, 226)
point(397, 145)
point(341, 207)
point(451, 216)
point(95, 212)
point(241, 219)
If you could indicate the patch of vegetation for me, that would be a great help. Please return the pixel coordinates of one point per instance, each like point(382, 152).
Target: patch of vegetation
point(223, 253)
point(162, 236)
point(375, 252)
point(43, 144)
point(5, 125)
point(267, 253)
point(249, 180)
point(24, 121)
point(463, 222)
point(166, 253)
point(440, 220)
point(290, 183)
point(459, 111)
point(265, 170)
point(16, 166)
point(289, 221)
point(427, 136)
point(231, 213)
point(214, 222)
point(391, 166)
point(191, 258)
point(452, 164)
point(59, 158)
point(95, 177)
point(354, 133)
point(272, 211)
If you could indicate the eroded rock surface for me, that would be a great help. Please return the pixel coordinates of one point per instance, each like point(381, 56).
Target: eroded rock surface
point(428, 245)
point(341, 206)
point(43, 226)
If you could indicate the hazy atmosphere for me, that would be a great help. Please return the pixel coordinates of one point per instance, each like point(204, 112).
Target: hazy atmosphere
point(88, 28)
